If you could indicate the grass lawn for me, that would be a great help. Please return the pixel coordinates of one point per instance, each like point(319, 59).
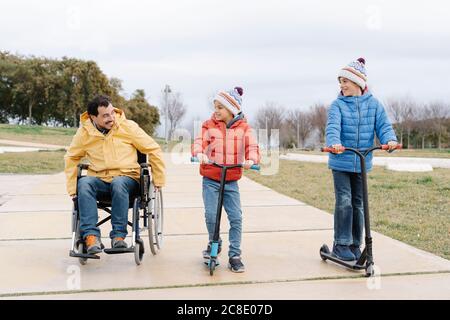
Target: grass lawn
point(410, 207)
point(37, 162)
point(49, 135)
point(37, 134)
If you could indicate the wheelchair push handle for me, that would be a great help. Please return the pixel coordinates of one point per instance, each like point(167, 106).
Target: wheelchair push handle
point(253, 167)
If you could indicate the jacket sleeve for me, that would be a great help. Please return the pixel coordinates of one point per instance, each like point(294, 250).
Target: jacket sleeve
point(333, 129)
point(201, 142)
point(146, 145)
point(383, 128)
point(251, 146)
point(72, 158)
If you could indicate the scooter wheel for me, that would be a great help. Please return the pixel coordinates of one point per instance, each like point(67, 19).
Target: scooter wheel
point(212, 266)
point(324, 249)
point(370, 271)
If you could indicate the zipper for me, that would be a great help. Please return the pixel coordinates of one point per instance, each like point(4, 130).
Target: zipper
point(359, 122)
point(225, 145)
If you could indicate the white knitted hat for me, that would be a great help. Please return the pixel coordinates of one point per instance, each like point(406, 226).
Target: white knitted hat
point(356, 72)
point(232, 99)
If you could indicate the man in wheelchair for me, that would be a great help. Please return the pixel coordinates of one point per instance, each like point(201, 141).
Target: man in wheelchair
point(110, 143)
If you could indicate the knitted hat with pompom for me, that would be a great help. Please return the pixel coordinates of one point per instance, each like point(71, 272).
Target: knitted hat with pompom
point(232, 100)
point(356, 72)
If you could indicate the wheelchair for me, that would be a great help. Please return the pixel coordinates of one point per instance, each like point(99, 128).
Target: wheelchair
point(147, 205)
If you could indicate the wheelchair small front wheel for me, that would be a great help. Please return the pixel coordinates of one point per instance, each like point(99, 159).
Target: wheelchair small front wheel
point(138, 253)
point(81, 248)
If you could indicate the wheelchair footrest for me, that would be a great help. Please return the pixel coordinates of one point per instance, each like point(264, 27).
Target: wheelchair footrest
point(119, 250)
point(83, 255)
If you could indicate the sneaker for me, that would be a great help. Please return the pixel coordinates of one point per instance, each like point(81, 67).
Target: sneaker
point(356, 251)
point(118, 243)
point(207, 252)
point(93, 244)
point(235, 264)
point(343, 252)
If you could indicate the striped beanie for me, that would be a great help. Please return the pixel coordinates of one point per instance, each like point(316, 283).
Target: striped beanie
point(232, 100)
point(356, 72)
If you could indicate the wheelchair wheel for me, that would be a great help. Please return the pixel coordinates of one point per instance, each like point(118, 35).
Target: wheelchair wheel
point(158, 217)
point(155, 220)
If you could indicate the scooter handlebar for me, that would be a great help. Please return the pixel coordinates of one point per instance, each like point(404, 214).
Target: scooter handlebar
point(382, 147)
point(386, 147)
point(253, 167)
point(328, 149)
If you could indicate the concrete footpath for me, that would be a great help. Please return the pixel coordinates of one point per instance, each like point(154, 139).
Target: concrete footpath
point(281, 241)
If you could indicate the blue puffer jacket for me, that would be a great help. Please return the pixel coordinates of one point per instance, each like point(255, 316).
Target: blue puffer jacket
point(353, 122)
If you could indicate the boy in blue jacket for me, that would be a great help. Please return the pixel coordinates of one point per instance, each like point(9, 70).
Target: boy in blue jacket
point(353, 119)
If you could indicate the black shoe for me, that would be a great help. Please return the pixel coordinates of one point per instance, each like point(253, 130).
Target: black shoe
point(207, 252)
point(343, 253)
point(235, 264)
point(356, 251)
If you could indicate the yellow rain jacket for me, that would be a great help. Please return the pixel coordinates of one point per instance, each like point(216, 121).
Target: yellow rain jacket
point(113, 154)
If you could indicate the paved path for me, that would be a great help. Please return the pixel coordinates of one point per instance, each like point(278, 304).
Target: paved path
point(281, 242)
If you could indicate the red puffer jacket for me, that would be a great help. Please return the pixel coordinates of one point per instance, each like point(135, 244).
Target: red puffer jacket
point(227, 146)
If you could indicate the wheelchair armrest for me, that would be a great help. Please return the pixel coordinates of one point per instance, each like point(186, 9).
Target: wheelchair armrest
point(81, 167)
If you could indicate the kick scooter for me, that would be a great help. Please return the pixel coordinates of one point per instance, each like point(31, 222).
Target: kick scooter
point(212, 262)
point(366, 260)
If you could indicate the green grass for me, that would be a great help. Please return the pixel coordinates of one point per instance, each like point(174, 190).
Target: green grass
point(37, 134)
point(410, 207)
point(38, 162)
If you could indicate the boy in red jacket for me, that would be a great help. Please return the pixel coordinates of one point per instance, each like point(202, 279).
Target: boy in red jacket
point(226, 139)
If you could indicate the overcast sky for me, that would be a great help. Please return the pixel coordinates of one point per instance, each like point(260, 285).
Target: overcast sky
point(283, 51)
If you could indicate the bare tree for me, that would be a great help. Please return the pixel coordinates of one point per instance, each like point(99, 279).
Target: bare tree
point(423, 125)
point(300, 126)
point(319, 116)
point(395, 109)
point(409, 115)
point(439, 113)
point(176, 110)
point(270, 117)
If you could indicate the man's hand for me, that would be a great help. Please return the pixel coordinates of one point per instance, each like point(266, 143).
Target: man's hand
point(157, 188)
point(202, 158)
point(248, 163)
point(392, 145)
point(337, 148)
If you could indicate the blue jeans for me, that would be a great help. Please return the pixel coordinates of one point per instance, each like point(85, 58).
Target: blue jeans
point(349, 209)
point(232, 205)
point(90, 188)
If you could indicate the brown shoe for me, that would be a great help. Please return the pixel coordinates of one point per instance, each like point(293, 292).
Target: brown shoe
point(118, 243)
point(93, 244)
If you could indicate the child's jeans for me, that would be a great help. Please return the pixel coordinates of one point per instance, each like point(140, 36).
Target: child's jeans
point(232, 205)
point(349, 209)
